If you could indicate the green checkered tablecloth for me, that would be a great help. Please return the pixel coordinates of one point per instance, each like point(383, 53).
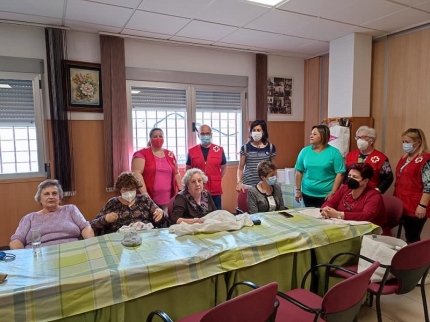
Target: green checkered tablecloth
point(83, 276)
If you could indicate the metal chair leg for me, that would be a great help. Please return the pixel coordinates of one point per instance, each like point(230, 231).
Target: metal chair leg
point(424, 298)
point(370, 299)
point(378, 307)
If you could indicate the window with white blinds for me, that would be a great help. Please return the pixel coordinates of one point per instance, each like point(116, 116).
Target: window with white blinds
point(164, 108)
point(222, 111)
point(174, 109)
point(19, 144)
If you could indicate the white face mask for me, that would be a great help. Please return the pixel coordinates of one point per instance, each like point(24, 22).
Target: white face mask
point(256, 136)
point(129, 195)
point(362, 144)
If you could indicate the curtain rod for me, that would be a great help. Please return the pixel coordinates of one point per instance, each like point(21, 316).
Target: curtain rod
point(32, 24)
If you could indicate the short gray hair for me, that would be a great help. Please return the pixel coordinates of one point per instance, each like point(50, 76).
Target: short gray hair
point(45, 184)
point(371, 132)
point(187, 176)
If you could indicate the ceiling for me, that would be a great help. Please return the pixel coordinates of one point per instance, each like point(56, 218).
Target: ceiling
point(294, 28)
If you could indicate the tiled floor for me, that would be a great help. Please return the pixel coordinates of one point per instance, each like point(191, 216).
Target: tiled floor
point(397, 308)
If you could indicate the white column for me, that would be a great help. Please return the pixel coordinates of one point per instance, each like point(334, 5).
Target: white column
point(349, 76)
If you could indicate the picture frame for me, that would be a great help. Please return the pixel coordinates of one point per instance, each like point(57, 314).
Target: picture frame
point(84, 86)
point(279, 95)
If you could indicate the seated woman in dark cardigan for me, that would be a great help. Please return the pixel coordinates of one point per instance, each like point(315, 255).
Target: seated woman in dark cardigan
point(355, 200)
point(193, 202)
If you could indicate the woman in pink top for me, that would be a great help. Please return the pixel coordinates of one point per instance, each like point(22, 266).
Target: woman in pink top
point(58, 224)
point(157, 169)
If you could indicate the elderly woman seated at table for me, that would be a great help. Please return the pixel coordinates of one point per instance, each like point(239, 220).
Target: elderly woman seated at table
point(265, 195)
point(193, 202)
point(128, 208)
point(355, 200)
point(57, 224)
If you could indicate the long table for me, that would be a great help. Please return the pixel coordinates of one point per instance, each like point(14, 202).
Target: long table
point(99, 279)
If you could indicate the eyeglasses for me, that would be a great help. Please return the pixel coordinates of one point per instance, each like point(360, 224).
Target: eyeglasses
point(364, 137)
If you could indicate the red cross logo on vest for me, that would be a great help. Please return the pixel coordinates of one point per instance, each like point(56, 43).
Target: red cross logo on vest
point(375, 159)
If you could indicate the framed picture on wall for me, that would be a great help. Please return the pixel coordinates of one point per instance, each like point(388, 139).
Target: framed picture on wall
point(84, 86)
point(279, 95)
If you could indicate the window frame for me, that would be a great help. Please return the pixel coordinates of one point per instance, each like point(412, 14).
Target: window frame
point(191, 137)
point(38, 121)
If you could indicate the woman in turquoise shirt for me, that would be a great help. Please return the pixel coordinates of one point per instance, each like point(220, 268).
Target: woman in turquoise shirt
point(319, 169)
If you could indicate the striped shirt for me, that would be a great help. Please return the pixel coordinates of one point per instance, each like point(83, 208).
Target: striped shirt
point(253, 157)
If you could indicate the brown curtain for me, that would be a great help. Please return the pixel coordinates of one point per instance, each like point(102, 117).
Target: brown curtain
point(261, 87)
point(60, 127)
point(114, 108)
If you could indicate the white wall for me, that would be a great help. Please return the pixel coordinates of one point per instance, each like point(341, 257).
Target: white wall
point(26, 42)
point(289, 67)
point(147, 54)
point(193, 59)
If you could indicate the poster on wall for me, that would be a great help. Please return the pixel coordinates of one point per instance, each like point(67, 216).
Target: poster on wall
point(279, 95)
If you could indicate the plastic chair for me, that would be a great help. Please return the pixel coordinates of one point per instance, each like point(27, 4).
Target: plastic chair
point(394, 209)
point(258, 305)
point(409, 265)
point(340, 304)
point(242, 206)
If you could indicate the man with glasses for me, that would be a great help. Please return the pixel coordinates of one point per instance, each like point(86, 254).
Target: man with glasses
point(209, 158)
point(382, 174)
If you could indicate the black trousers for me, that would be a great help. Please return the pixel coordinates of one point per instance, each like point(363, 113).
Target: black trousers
point(413, 228)
point(313, 201)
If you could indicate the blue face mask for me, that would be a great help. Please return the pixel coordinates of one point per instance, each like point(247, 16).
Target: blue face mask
point(205, 139)
point(408, 147)
point(271, 180)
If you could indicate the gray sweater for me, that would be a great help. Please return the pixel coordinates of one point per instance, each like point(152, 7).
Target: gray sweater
point(257, 201)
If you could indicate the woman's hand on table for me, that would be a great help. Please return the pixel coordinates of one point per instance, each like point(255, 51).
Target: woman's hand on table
point(158, 214)
point(198, 220)
point(328, 212)
point(111, 217)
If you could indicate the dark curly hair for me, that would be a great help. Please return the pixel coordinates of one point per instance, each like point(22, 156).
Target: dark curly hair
point(127, 180)
point(264, 168)
point(365, 169)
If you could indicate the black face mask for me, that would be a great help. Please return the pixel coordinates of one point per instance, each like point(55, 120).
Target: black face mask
point(352, 183)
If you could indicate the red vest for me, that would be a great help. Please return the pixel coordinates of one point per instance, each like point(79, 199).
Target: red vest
point(376, 159)
point(150, 169)
point(211, 167)
point(409, 183)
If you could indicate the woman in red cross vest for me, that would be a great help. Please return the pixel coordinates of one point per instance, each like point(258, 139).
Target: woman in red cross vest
point(157, 169)
point(413, 183)
point(383, 176)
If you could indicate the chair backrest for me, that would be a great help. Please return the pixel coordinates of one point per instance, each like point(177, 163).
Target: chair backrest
point(394, 210)
point(256, 305)
point(170, 206)
point(343, 301)
point(410, 263)
point(241, 200)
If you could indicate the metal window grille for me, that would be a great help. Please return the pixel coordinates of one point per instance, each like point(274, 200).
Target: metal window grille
point(18, 142)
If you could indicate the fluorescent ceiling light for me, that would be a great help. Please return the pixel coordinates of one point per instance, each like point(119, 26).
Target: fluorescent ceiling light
point(135, 92)
point(267, 2)
point(5, 86)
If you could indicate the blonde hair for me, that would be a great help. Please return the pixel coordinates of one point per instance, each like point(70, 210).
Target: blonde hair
point(417, 135)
